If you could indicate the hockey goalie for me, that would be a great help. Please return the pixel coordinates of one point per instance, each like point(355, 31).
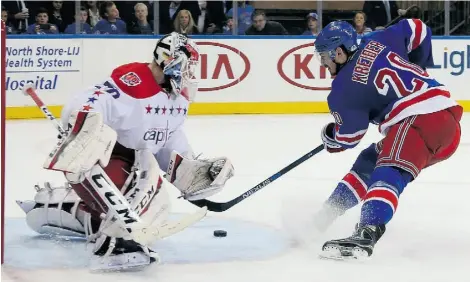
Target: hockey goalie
point(121, 136)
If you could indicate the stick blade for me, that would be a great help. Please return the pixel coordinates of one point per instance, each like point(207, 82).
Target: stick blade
point(212, 206)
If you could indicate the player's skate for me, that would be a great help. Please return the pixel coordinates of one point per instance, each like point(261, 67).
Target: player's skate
point(359, 245)
point(114, 254)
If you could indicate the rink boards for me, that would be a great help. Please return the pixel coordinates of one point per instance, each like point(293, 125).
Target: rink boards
point(237, 74)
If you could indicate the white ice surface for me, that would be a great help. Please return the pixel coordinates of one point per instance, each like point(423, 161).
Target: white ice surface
point(428, 240)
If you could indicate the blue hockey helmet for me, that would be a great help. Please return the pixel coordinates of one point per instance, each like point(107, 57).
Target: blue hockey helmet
point(334, 35)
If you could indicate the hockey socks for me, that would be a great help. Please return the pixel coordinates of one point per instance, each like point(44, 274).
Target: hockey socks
point(349, 192)
point(381, 200)
point(353, 188)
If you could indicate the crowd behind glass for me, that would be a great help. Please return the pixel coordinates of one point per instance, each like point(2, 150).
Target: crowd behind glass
point(190, 17)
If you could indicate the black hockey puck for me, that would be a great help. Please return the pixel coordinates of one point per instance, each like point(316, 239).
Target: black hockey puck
point(220, 233)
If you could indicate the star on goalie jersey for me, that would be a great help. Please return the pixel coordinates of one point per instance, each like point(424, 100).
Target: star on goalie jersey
point(135, 106)
point(385, 81)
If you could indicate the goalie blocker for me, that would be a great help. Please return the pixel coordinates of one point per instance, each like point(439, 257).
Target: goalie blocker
point(117, 196)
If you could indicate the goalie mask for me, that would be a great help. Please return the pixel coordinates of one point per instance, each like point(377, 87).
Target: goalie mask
point(178, 56)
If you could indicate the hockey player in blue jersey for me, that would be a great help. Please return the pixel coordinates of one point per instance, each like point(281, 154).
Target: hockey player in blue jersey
point(382, 81)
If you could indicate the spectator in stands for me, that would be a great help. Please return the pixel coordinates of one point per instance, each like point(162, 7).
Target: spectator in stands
point(245, 12)
point(110, 22)
point(261, 26)
point(174, 8)
point(168, 11)
point(83, 27)
point(18, 14)
point(360, 24)
point(56, 15)
point(212, 17)
point(42, 25)
point(93, 13)
point(228, 27)
point(127, 11)
point(165, 14)
point(141, 25)
point(184, 23)
point(312, 24)
point(4, 15)
point(10, 28)
point(381, 12)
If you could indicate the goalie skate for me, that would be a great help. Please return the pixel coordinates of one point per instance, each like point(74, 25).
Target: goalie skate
point(117, 254)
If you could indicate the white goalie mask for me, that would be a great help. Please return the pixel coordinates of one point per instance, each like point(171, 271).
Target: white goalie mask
point(178, 56)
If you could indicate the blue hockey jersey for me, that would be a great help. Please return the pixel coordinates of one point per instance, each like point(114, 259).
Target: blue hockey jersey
point(386, 81)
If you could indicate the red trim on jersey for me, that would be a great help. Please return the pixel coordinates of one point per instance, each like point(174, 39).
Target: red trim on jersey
point(343, 138)
point(148, 87)
point(355, 183)
point(402, 105)
point(384, 195)
point(418, 31)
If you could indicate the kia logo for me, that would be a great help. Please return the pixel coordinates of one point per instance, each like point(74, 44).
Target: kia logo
point(298, 67)
point(222, 66)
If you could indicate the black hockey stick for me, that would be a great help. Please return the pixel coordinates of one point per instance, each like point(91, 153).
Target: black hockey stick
point(220, 207)
point(397, 19)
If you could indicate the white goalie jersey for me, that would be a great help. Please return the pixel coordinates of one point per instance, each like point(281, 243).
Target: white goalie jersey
point(143, 115)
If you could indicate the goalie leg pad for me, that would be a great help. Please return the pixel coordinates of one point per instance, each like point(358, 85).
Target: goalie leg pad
point(146, 196)
point(149, 196)
point(55, 211)
point(118, 171)
point(74, 209)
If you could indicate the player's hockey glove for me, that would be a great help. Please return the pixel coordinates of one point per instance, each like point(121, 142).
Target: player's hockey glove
point(327, 136)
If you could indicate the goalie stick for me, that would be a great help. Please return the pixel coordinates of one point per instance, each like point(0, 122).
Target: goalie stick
point(146, 234)
point(220, 207)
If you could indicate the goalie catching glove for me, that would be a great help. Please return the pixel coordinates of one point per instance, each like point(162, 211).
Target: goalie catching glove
point(197, 178)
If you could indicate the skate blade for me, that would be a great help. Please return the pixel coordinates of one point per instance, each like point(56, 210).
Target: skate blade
point(119, 268)
point(121, 263)
point(339, 253)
